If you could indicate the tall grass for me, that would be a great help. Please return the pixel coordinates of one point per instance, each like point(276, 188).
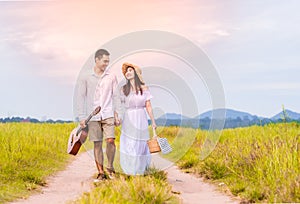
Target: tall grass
point(259, 164)
point(151, 188)
point(148, 189)
point(31, 152)
point(28, 153)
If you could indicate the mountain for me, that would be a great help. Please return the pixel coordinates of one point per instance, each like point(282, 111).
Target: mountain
point(233, 119)
point(230, 114)
point(173, 116)
point(290, 114)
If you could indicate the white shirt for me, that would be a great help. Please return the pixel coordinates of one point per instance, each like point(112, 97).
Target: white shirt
point(85, 97)
point(106, 96)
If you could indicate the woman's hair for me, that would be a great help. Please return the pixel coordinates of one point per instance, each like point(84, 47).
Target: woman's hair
point(137, 82)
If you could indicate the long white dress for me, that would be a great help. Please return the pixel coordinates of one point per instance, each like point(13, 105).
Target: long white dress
point(135, 156)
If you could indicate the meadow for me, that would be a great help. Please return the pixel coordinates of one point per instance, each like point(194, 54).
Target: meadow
point(257, 164)
point(30, 152)
point(151, 188)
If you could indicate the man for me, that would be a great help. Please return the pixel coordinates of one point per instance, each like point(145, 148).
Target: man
point(101, 125)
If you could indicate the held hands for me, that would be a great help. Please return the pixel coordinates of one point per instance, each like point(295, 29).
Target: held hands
point(118, 121)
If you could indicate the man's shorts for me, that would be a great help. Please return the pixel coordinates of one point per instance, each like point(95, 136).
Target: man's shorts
point(99, 129)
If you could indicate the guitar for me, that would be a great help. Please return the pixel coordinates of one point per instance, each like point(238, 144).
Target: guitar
point(79, 135)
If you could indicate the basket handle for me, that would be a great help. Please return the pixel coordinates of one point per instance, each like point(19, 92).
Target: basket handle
point(154, 132)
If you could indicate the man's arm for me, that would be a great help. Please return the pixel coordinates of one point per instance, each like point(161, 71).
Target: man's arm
point(81, 99)
point(116, 101)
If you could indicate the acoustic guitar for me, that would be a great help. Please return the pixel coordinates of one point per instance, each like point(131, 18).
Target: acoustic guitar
point(79, 135)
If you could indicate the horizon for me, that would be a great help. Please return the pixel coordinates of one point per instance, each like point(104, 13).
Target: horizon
point(253, 47)
point(158, 116)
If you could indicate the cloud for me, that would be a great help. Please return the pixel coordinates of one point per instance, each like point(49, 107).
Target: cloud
point(222, 32)
point(289, 87)
point(52, 34)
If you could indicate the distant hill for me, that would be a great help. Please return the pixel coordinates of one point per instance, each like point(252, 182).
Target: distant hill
point(173, 116)
point(30, 120)
point(233, 119)
point(290, 115)
point(230, 114)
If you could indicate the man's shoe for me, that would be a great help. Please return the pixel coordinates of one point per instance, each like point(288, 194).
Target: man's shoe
point(100, 177)
point(111, 173)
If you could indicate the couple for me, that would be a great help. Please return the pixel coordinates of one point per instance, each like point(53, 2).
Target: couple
point(100, 89)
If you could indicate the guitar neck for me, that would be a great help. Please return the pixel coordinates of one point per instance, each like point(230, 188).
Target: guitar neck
point(86, 122)
point(89, 118)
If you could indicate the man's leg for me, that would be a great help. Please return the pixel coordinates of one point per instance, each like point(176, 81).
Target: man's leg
point(98, 154)
point(108, 128)
point(110, 152)
point(96, 135)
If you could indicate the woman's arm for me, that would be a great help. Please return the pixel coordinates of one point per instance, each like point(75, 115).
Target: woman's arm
point(150, 113)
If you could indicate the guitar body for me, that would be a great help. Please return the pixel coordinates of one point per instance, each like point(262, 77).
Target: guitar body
point(76, 140)
point(79, 135)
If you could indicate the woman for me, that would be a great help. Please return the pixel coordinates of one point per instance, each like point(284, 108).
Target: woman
point(135, 157)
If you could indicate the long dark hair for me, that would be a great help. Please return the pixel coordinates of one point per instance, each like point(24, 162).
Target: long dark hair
point(137, 82)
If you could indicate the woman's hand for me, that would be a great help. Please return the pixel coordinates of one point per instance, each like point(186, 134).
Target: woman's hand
point(154, 125)
point(154, 129)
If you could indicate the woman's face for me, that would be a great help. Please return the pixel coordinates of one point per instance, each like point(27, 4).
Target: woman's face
point(129, 73)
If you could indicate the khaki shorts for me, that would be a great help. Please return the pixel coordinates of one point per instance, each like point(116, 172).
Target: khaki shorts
point(99, 129)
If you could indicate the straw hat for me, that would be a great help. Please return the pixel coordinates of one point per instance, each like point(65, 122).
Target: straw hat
point(135, 67)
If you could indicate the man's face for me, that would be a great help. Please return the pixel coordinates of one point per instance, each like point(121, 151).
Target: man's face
point(103, 62)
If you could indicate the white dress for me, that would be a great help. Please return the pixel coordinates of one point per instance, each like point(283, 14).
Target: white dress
point(135, 156)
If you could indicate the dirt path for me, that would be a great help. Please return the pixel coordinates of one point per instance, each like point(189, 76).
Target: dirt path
point(77, 178)
point(68, 184)
point(192, 190)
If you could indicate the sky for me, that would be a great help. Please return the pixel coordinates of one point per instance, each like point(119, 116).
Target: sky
point(253, 45)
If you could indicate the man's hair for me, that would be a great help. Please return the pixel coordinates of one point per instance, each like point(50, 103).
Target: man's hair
point(99, 53)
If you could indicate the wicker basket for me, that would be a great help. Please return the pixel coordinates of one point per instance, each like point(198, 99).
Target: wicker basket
point(153, 145)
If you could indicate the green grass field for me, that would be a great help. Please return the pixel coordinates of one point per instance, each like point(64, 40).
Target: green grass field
point(149, 189)
point(28, 153)
point(258, 164)
point(31, 152)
